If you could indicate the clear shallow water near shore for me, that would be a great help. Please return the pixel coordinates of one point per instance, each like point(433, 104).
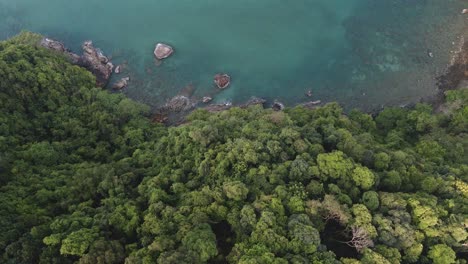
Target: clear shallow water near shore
point(362, 53)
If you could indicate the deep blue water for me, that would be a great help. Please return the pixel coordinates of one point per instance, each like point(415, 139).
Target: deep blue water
point(362, 53)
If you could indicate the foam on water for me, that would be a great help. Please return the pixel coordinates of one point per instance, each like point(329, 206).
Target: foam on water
point(360, 52)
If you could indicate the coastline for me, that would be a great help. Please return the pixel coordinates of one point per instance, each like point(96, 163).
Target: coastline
point(176, 108)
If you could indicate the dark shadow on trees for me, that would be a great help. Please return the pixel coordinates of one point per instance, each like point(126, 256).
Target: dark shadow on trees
point(224, 241)
point(334, 237)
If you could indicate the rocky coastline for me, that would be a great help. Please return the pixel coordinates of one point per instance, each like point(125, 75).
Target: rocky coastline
point(100, 65)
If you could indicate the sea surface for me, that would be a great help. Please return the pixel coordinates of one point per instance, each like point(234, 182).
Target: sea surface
point(362, 53)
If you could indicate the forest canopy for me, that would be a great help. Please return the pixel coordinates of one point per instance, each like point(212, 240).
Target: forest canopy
point(86, 177)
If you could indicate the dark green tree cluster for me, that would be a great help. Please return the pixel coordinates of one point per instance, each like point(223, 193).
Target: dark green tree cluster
point(85, 177)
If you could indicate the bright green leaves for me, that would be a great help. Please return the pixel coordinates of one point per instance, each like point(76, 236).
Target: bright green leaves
point(334, 165)
point(78, 242)
point(363, 177)
point(442, 254)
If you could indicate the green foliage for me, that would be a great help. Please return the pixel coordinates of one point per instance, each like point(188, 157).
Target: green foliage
point(85, 177)
point(441, 254)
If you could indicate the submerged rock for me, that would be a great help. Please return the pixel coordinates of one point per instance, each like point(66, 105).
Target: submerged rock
point(277, 106)
point(457, 72)
point(222, 80)
point(122, 83)
point(94, 60)
point(179, 103)
point(162, 51)
point(308, 93)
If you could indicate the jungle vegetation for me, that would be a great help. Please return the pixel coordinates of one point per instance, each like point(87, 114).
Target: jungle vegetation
point(86, 177)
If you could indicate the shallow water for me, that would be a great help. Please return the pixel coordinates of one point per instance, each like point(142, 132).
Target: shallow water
point(363, 53)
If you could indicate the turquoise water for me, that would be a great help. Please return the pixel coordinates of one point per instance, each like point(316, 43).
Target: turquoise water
point(363, 53)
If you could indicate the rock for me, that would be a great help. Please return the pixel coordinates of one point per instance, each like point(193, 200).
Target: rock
point(277, 106)
point(206, 99)
point(308, 93)
point(59, 47)
point(162, 51)
point(465, 11)
point(222, 80)
point(312, 104)
point(179, 103)
point(52, 45)
point(122, 83)
point(219, 107)
point(94, 60)
point(160, 118)
point(118, 69)
point(253, 101)
point(457, 73)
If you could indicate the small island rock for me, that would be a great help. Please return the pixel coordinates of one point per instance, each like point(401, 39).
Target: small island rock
point(222, 80)
point(162, 51)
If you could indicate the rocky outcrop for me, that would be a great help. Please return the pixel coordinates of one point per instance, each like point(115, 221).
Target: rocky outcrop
point(120, 84)
point(59, 47)
point(222, 80)
point(96, 62)
point(93, 59)
point(163, 51)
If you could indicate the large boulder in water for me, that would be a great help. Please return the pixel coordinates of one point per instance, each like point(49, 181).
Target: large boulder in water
point(94, 60)
point(222, 80)
point(162, 51)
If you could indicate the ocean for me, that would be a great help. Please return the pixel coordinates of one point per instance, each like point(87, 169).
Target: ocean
point(361, 53)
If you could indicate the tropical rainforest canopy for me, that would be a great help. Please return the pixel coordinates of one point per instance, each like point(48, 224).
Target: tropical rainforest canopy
point(85, 177)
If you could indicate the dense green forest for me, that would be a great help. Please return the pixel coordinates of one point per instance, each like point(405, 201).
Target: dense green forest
point(85, 177)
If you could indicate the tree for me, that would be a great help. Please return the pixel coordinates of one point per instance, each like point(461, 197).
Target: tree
point(201, 241)
point(442, 254)
point(363, 177)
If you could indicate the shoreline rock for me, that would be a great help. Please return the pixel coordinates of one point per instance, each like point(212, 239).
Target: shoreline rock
point(59, 47)
point(92, 59)
point(278, 106)
point(96, 62)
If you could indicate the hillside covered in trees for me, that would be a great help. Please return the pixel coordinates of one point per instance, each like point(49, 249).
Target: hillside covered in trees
point(85, 177)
